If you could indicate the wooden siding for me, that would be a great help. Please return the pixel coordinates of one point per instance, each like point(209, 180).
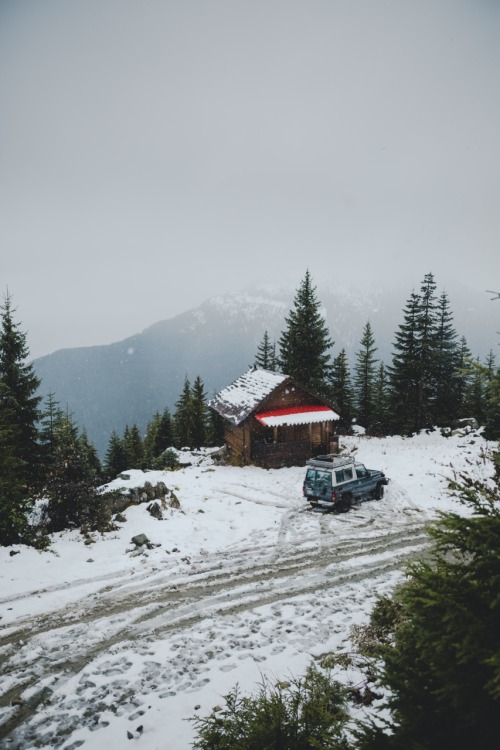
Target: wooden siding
point(288, 445)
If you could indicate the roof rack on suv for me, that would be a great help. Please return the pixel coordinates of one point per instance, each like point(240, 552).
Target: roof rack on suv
point(329, 461)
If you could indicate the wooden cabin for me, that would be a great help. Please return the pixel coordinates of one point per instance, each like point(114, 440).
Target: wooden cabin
point(272, 421)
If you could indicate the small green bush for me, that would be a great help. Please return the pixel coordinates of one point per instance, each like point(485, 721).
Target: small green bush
point(303, 714)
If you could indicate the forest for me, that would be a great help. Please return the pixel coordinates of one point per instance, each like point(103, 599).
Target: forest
point(432, 381)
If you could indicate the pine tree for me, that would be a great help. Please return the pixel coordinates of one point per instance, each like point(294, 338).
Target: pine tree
point(403, 373)
point(150, 440)
point(215, 429)
point(305, 343)
point(442, 664)
point(364, 377)
point(381, 413)
point(447, 383)
point(266, 354)
point(116, 457)
point(14, 505)
point(50, 418)
point(22, 384)
point(165, 437)
point(183, 418)
point(19, 448)
point(426, 353)
point(72, 484)
point(464, 381)
point(199, 414)
point(492, 399)
point(341, 392)
point(134, 450)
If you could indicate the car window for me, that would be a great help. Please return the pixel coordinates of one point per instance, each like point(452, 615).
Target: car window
point(339, 475)
point(323, 482)
point(311, 475)
point(347, 474)
point(361, 471)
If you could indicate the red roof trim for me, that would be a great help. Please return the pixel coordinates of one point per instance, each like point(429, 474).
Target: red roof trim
point(290, 410)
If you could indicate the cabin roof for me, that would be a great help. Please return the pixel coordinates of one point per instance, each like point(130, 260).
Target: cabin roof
point(238, 400)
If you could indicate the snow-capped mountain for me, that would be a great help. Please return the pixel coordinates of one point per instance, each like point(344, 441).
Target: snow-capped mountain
point(108, 387)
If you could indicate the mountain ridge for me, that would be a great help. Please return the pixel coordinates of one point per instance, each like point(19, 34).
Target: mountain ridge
point(109, 386)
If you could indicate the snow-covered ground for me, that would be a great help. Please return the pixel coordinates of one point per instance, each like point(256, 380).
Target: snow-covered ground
point(108, 642)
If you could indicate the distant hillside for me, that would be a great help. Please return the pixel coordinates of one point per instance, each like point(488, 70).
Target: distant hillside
point(108, 387)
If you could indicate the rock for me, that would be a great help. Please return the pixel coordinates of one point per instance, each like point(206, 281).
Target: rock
point(139, 540)
point(155, 510)
point(120, 518)
point(90, 560)
point(14, 552)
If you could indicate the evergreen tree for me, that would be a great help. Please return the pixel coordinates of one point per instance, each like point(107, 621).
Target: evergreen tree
point(266, 354)
point(72, 485)
point(381, 414)
point(50, 418)
point(89, 454)
point(364, 377)
point(215, 429)
point(426, 353)
point(165, 437)
point(21, 382)
point(116, 457)
point(305, 343)
point(150, 440)
point(492, 400)
point(183, 418)
point(134, 450)
point(14, 505)
point(447, 379)
point(442, 663)
point(465, 377)
point(199, 414)
point(403, 373)
point(342, 393)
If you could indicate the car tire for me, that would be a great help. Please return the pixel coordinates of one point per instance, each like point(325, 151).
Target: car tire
point(379, 492)
point(346, 503)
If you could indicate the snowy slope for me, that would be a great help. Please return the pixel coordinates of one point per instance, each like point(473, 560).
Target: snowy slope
point(108, 641)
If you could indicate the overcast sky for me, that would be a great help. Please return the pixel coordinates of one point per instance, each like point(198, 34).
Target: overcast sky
point(154, 153)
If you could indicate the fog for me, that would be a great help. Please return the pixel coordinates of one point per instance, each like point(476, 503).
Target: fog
point(154, 154)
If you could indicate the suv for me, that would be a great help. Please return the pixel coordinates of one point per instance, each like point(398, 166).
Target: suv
point(335, 483)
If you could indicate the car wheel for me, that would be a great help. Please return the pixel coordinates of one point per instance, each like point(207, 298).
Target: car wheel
point(346, 503)
point(379, 492)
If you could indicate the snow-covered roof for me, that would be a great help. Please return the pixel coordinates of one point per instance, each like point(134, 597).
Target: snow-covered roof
point(292, 415)
point(238, 400)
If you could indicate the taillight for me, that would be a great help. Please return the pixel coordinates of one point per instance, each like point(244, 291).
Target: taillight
point(304, 489)
point(334, 497)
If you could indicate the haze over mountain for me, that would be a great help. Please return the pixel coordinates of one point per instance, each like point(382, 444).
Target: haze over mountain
point(108, 387)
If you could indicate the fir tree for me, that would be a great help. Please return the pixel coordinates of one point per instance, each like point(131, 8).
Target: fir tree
point(464, 382)
point(165, 437)
point(446, 375)
point(199, 411)
point(134, 450)
point(403, 373)
point(364, 376)
point(426, 353)
point(266, 354)
point(442, 663)
point(150, 440)
point(22, 384)
point(14, 505)
point(381, 414)
point(183, 418)
point(305, 343)
point(72, 484)
point(342, 393)
point(116, 457)
point(216, 429)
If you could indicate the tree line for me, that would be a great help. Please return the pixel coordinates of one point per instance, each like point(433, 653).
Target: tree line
point(432, 380)
point(44, 454)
